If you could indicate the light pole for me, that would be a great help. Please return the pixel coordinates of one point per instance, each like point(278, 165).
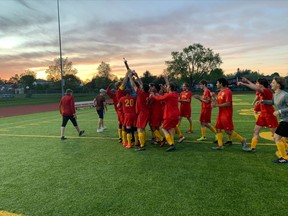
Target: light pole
point(60, 47)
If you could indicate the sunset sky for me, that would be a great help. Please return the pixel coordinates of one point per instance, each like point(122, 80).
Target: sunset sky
point(248, 34)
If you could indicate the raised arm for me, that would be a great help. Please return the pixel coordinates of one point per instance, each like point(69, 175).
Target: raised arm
point(250, 85)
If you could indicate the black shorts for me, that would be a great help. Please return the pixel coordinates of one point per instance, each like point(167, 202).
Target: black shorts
point(100, 113)
point(282, 129)
point(71, 118)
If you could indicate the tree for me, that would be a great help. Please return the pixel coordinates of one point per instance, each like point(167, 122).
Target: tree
point(27, 80)
point(148, 77)
point(104, 70)
point(193, 63)
point(72, 82)
point(54, 73)
point(216, 74)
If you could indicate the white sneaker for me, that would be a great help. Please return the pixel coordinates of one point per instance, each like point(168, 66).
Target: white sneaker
point(100, 130)
point(181, 139)
point(103, 128)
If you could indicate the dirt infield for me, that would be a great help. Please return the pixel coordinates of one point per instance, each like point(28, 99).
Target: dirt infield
point(23, 110)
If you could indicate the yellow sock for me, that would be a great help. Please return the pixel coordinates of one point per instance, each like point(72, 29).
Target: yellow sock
point(254, 142)
point(136, 138)
point(169, 139)
point(124, 136)
point(220, 139)
point(144, 132)
point(230, 137)
point(178, 132)
point(158, 135)
point(237, 136)
point(256, 116)
point(213, 129)
point(119, 132)
point(129, 137)
point(283, 139)
point(281, 149)
point(191, 125)
point(141, 139)
point(203, 131)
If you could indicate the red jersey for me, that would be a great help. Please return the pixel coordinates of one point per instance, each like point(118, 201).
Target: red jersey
point(185, 95)
point(128, 104)
point(225, 96)
point(142, 103)
point(266, 95)
point(67, 105)
point(206, 96)
point(171, 109)
point(113, 97)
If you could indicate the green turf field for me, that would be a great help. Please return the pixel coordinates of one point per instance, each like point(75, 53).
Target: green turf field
point(95, 175)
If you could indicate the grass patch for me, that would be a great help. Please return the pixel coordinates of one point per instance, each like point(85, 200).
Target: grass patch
point(95, 175)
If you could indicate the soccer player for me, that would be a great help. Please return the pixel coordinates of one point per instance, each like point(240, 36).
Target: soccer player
point(128, 103)
point(206, 110)
point(142, 108)
point(68, 112)
point(280, 100)
point(100, 105)
point(185, 106)
point(266, 117)
point(224, 119)
point(171, 113)
point(156, 114)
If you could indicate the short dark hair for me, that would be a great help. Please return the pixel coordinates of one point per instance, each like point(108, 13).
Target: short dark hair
point(68, 91)
point(203, 82)
point(281, 81)
point(223, 81)
point(145, 87)
point(173, 86)
point(263, 82)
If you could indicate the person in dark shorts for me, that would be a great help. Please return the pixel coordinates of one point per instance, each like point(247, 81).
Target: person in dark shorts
point(100, 105)
point(68, 112)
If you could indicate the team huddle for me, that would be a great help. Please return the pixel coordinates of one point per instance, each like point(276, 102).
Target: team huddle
point(139, 105)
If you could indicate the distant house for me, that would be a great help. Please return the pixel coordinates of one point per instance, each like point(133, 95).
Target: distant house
point(41, 82)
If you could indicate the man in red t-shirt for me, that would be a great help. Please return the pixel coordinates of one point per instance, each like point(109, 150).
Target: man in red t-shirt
point(206, 110)
point(185, 106)
point(266, 117)
point(68, 112)
point(224, 119)
point(127, 103)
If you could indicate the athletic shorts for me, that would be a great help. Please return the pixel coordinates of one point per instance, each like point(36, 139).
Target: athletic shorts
point(71, 118)
point(282, 129)
point(205, 115)
point(100, 113)
point(142, 119)
point(170, 123)
point(269, 121)
point(156, 120)
point(224, 123)
point(185, 112)
point(120, 118)
point(257, 108)
point(129, 119)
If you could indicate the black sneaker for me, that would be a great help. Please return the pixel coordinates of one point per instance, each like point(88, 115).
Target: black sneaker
point(171, 148)
point(63, 138)
point(120, 140)
point(140, 149)
point(81, 132)
point(228, 143)
point(280, 160)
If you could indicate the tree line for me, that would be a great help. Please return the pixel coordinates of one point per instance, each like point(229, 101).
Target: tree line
point(190, 65)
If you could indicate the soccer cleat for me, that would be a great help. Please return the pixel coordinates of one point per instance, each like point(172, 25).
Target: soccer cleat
point(243, 143)
point(249, 149)
point(202, 139)
point(104, 128)
point(63, 138)
point(228, 143)
point(171, 148)
point(81, 132)
point(215, 141)
point(280, 160)
point(120, 140)
point(152, 140)
point(218, 147)
point(181, 139)
point(189, 131)
point(140, 149)
point(128, 146)
point(100, 130)
point(161, 143)
point(124, 144)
